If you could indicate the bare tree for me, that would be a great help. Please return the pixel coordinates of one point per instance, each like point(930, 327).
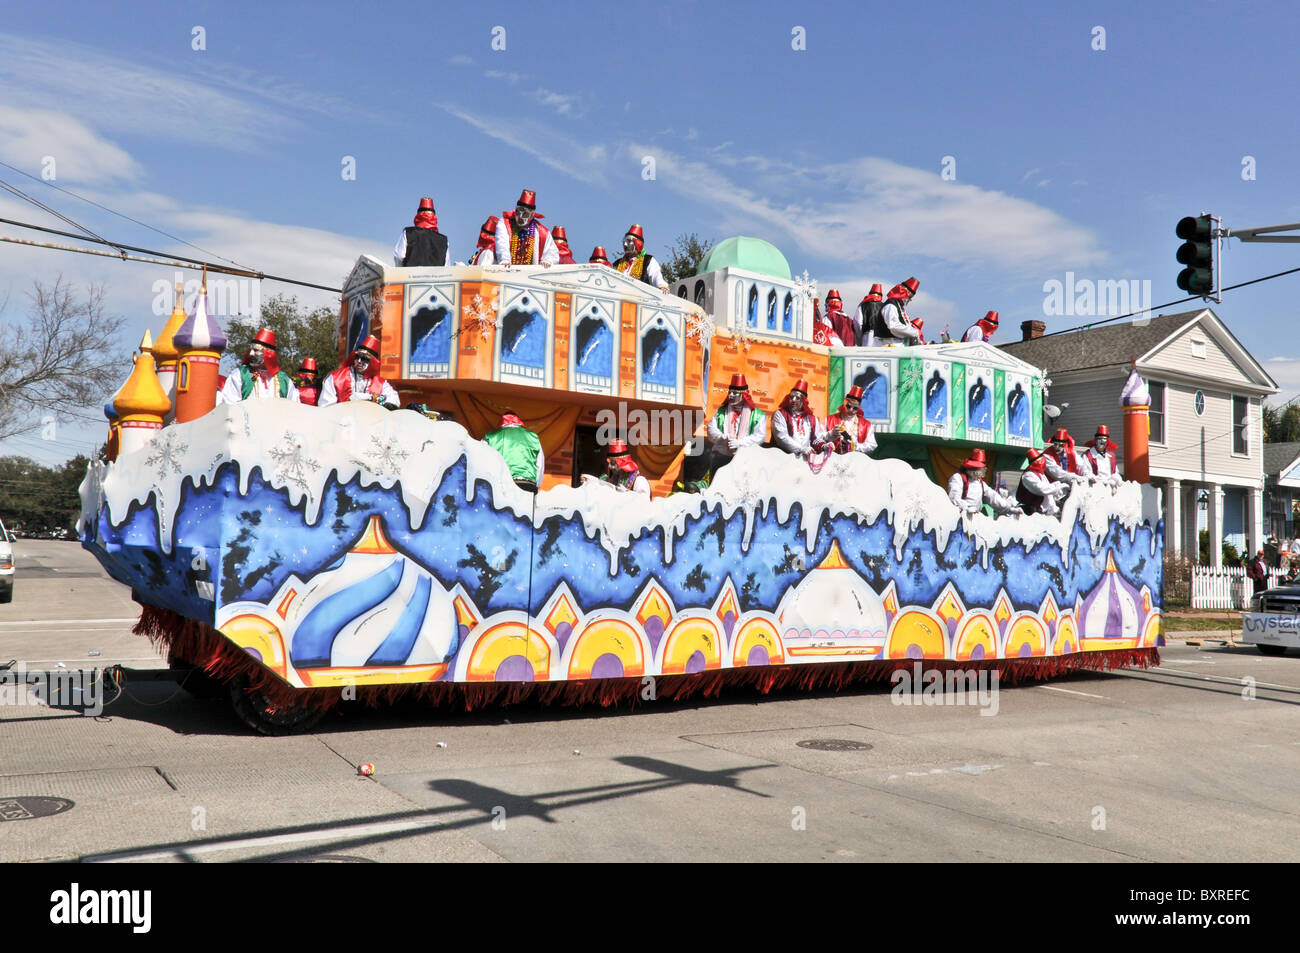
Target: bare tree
point(62, 358)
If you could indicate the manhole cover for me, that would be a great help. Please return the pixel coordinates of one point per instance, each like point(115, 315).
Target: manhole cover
point(25, 808)
point(833, 744)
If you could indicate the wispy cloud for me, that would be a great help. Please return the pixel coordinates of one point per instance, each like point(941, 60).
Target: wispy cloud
point(45, 142)
point(583, 161)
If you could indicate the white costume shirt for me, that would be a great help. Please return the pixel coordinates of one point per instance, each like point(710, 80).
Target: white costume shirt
point(975, 494)
point(1051, 491)
point(1100, 465)
point(399, 250)
point(550, 255)
point(973, 333)
point(329, 393)
point(892, 315)
point(794, 434)
point(484, 256)
point(737, 431)
point(232, 392)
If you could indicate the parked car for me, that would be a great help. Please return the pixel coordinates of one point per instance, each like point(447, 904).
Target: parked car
point(6, 565)
point(1272, 620)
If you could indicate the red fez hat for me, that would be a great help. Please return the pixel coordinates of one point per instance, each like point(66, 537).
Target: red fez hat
point(598, 255)
point(266, 338)
point(308, 364)
point(1037, 460)
point(622, 456)
point(371, 344)
point(975, 461)
point(855, 393)
point(1061, 435)
point(490, 226)
point(558, 233)
point(876, 293)
point(528, 199)
point(510, 420)
point(832, 295)
point(635, 232)
point(738, 382)
point(992, 318)
point(426, 204)
point(911, 284)
point(801, 386)
point(1103, 430)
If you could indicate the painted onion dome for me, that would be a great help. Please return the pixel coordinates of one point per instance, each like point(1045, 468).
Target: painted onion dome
point(164, 349)
point(747, 254)
point(200, 331)
point(142, 394)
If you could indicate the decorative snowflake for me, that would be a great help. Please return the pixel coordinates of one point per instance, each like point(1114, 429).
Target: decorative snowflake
point(701, 327)
point(292, 463)
point(384, 457)
point(805, 286)
point(910, 506)
point(480, 315)
point(166, 454)
point(842, 476)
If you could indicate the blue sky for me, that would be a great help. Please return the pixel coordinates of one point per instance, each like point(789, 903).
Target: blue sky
point(1061, 157)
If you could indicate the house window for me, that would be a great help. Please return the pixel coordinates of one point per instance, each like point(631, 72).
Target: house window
point(1156, 415)
point(1240, 421)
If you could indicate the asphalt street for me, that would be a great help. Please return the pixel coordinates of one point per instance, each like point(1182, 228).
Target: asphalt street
point(1198, 760)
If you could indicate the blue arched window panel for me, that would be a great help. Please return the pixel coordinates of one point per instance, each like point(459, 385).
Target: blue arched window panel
point(699, 292)
point(751, 316)
point(771, 310)
point(787, 316)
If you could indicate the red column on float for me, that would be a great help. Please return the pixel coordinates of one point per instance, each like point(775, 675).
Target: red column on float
point(1136, 402)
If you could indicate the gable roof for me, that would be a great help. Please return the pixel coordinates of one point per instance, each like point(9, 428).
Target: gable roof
point(1279, 456)
point(1114, 344)
point(1100, 347)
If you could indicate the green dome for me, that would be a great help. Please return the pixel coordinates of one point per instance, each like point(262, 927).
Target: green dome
point(748, 254)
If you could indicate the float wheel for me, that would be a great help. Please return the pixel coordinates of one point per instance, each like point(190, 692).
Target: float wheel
point(194, 680)
point(256, 711)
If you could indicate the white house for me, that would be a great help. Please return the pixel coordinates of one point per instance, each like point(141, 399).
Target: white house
point(1206, 436)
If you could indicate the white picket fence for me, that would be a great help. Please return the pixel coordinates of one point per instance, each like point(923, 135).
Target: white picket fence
point(1224, 587)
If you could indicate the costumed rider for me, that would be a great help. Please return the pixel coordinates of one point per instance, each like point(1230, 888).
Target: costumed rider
point(847, 431)
point(621, 471)
point(259, 375)
point(846, 325)
point(969, 492)
point(522, 451)
point(485, 252)
point(598, 257)
point(636, 263)
point(795, 428)
point(894, 326)
point(1064, 462)
point(869, 313)
point(521, 237)
point(738, 423)
point(1039, 493)
point(307, 380)
point(983, 329)
point(358, 379)
point(1100, 455)
point(823, 331)
point(421, 244)
point(562, 245)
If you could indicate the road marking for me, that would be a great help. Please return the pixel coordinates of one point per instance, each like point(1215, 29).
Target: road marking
point(68, 621)
point(180, 852)
point(1053, 688)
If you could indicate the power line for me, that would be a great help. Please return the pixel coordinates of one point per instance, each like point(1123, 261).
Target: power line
point(180, 261)
point(1168, 304)
point(118, 214)
point(45, 208)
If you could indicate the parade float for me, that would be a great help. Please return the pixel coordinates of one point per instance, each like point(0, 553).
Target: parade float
point(304, 556)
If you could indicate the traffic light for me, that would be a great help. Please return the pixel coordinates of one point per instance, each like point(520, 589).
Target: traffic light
point(1197, 253)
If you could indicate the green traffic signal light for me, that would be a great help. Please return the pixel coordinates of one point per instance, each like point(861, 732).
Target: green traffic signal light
point(1197, 252)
